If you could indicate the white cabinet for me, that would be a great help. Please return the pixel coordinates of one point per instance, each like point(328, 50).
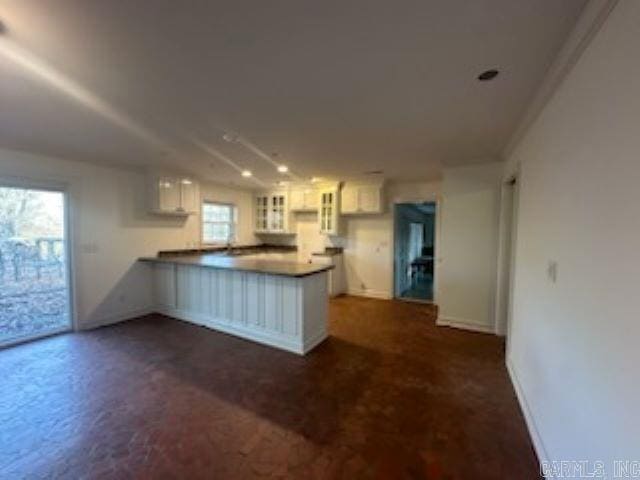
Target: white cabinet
point(336, 278)
point(173, 195)
point(349, 200)
point(328, 217)
point(278, 213)
point(168, 195)
point(303, 199)
point(189, 195)
point(361, 199)
point(262, 213)
point(272, 213)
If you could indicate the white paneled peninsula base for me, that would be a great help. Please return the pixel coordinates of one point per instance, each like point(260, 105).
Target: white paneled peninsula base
point(284, 305)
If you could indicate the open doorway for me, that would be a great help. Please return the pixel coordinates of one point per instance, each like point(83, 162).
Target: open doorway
point(506, 256)
point(34, 276)
point(414, 246)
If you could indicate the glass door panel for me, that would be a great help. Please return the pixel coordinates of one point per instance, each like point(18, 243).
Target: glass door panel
point(34, 279)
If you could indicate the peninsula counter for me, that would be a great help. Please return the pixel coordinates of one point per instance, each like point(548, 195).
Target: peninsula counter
point(277, 303)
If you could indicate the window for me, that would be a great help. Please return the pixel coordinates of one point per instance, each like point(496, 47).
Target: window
point(218, 222)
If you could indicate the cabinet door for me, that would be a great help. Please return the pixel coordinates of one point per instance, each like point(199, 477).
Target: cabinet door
point(188, 195)
point(369, 200)
point(277, 213)
point(328, 215)
point(262, 210)
point(168, 194)
point(349, 197)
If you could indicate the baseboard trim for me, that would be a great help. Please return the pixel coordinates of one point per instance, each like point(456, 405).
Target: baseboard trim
point(314, 341)
point(120, 317)
point(223, 326)
point(464, 324)
point(536, 439)
point(370, 294)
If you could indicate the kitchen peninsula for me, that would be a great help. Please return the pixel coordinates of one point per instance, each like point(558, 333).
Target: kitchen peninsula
point(279, 303)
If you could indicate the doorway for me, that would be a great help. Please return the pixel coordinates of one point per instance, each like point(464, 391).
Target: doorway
point(414, 246)
point(34, 259)
point(506, 257)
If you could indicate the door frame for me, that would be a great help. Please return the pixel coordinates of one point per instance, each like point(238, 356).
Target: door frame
point(63, 188)
point(507, 245)
point(436, 199)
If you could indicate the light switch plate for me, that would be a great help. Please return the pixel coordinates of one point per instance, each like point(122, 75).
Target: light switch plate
point(552, 270)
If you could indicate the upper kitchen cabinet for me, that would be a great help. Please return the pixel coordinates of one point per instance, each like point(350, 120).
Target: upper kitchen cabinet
point(329, 212)
point(303, 199)
point(173, 195)
point(272, 212)
point(261, 213)
point(361, 198)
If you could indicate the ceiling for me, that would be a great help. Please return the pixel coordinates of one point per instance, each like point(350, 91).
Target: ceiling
point(333, 88)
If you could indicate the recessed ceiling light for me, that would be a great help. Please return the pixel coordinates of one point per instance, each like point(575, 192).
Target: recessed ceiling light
point(283, 168)
point(186, 181)
point(246, 173)
point(229, 137)
point(315, 179)
point(488, 75)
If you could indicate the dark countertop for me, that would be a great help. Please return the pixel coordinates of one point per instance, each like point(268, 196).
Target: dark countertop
point(329, 252)
point(236, 249)
point(270, 267)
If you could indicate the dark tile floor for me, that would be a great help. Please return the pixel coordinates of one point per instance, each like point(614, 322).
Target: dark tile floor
point(387, 396)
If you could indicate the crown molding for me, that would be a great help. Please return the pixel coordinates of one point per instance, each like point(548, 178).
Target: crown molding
point(593, 16)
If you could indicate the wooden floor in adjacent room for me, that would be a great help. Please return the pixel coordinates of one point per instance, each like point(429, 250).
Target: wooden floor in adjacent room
point(388, 396)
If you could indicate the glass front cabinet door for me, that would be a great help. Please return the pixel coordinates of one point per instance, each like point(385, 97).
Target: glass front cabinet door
point(328, 217)
point(262, 213)
point(271, 213)
point(278, 212)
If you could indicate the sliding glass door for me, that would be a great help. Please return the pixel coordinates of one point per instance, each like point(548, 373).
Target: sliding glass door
point(34, 277)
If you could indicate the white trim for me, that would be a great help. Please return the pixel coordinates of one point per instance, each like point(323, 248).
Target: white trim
point(593, 16)
point(237, 331)
point(313, 342)
point(437, 200)
point(464, 324)
point(504, 296)
point(63, 188)
point(436, 249)
point(536, 439)
point(117, 318)
point(369, 293)
point(28, 338)
point(234, 223)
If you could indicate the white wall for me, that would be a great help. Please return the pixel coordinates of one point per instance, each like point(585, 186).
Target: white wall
point(368, 241)
point(574, 348)
point(469, 214)
point(110, 230)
